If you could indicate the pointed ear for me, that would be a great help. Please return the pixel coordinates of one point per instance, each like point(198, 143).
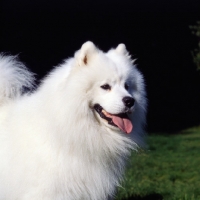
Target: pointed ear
point(121, 48)
point(86, 52)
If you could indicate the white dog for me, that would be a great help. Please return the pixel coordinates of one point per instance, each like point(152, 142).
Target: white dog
point(68, 139)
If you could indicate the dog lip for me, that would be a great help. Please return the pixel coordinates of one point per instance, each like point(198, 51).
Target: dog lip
point(105, 115)
point(99, 110)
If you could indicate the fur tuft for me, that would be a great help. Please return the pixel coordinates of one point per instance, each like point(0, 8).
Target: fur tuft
point(14, 78)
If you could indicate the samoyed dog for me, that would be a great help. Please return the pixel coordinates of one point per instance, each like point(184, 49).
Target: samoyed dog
point(69, 138)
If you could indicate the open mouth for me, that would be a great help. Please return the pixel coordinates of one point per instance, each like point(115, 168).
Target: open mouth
point(120, 120)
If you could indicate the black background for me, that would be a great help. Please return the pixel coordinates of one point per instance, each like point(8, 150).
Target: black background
point(157, 33)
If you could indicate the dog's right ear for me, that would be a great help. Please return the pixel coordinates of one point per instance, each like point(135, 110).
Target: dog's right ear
point(84, 55)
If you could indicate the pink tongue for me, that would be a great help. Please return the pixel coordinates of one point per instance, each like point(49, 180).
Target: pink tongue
point(123, 123)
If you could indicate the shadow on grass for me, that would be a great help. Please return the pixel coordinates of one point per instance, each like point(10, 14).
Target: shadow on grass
point(154, 196)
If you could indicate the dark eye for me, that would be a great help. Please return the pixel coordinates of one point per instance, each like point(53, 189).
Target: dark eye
point(126, 86)
point(106, 87)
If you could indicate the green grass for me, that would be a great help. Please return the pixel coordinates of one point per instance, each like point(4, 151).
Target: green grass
point(169, 169)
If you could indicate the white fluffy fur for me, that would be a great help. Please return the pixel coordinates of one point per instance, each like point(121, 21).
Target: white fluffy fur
point(13, 77)
point(53, 144)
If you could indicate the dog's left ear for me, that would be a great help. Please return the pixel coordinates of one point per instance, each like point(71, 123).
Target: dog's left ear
point(86, 52)
point(121, 48)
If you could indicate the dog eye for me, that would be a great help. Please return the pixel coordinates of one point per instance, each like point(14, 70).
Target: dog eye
point(106, 87)
point(126, 86)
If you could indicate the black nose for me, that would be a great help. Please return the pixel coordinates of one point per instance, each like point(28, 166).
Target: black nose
point(128, 101)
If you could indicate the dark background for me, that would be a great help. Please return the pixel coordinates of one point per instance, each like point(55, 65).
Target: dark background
point(157, 33)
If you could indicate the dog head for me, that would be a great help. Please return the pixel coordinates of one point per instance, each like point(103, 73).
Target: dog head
point(114, 85)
